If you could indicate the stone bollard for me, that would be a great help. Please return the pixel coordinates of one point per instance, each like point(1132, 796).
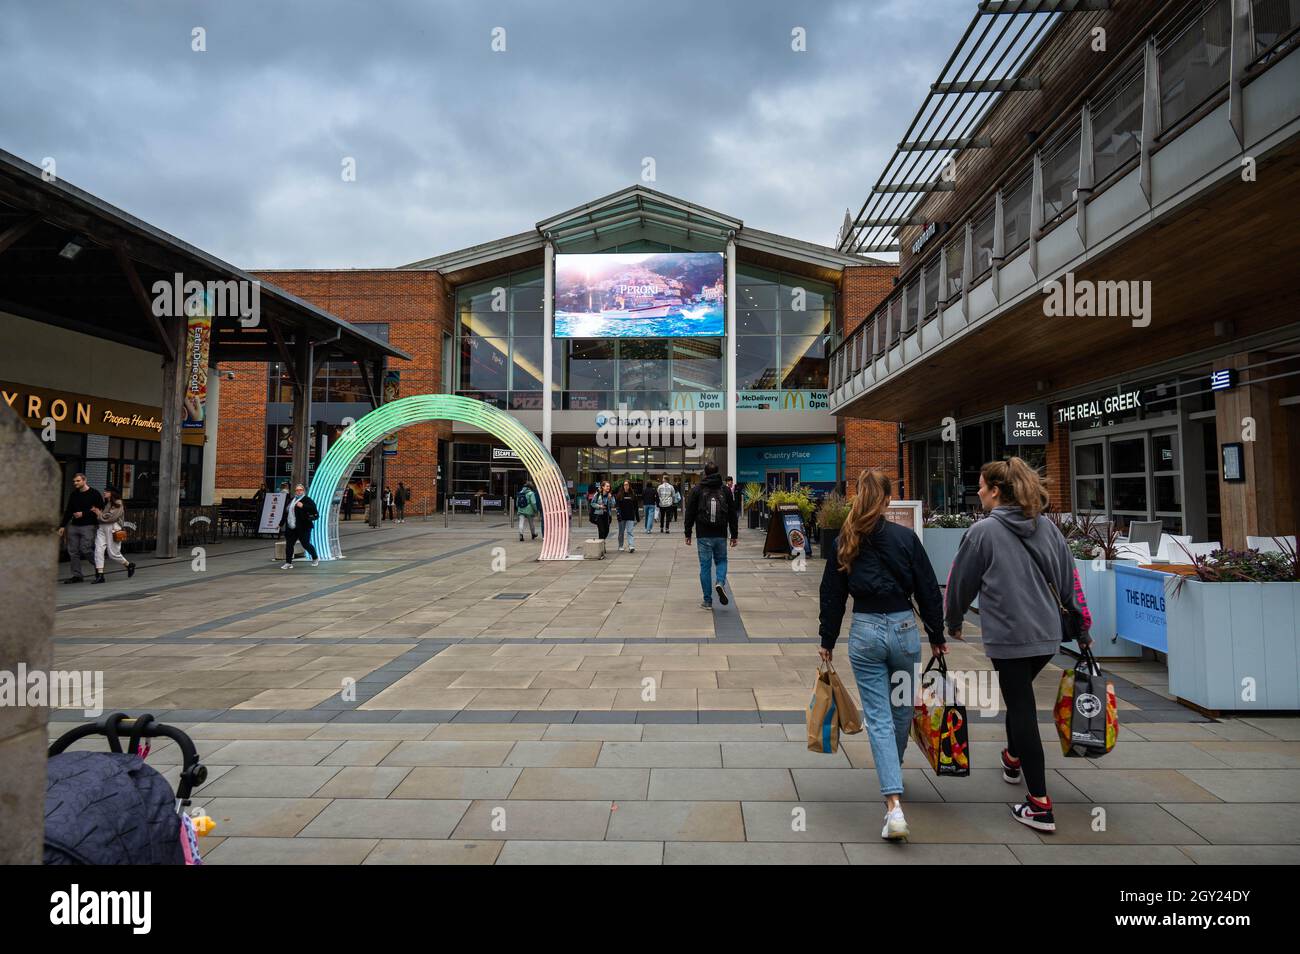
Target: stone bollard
point(29, 552)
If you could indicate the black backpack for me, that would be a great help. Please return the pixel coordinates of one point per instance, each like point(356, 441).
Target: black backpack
point(521, 500)
point(712, 508)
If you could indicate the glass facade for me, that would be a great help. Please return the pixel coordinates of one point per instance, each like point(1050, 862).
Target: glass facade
point(783, 330)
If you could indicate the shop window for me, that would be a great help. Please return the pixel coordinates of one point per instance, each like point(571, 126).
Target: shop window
point(1274, 21)
point(1060, 178)
point(1194, 65)
point(1015, 216)
point(697, 364)
point(526, 364)
point(483, 363)
point(1117, 129)
point(803, 364)
point(982, 244)
point(911, 301)
point(756, 365)
point(956, 255)
point(932, 286)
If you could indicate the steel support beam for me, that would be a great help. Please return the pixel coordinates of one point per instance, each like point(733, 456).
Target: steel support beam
point(967, 142)
point(1020, 85)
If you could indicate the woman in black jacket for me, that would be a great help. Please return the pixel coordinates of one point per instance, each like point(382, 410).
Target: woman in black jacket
point(882, 566)
point(629, 511)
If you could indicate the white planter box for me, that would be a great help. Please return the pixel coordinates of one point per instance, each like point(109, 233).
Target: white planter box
point(1099, 593)
point(941, 547)
point(1226, 637)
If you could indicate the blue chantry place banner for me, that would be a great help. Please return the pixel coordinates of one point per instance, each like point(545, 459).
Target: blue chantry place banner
point(1140, 606)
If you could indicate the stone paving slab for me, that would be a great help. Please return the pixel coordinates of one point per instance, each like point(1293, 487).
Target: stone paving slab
point(472, 740)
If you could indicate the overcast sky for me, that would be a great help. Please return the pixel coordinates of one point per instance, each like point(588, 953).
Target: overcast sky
point(239, 149)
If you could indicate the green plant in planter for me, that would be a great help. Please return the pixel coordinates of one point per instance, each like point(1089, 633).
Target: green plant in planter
point(799, 496)
point(832, 513)
point(949, 521)
point(754, 496)
point(1246, 566)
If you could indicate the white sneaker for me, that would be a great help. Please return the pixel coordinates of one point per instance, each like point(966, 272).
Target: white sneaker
point(287, 566)
point(620, 549)
point(315, 562)
point(631, 549)
point(895, 826)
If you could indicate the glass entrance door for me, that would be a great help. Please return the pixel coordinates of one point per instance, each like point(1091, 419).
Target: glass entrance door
point(782, 479)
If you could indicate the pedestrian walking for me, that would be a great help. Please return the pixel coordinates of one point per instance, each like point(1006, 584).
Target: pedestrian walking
point(527, 507)
point(629, 512)
point(299, 517)
point(1023, 572)
point(665, 492)
point(109, 517)
point(399, 500)
point(79, 523)
point(349, 500)
point(602, 508)
point(711, 513)
point(736, 493)
point(388, 503)
point(649, 500)
point(882, 566)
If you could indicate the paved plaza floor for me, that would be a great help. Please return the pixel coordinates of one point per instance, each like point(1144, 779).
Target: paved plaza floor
point(440, 696)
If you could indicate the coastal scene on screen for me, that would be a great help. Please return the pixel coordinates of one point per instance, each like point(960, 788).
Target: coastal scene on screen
point(646, 295)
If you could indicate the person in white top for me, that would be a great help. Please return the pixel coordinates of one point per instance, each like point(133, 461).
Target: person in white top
point(667, 496)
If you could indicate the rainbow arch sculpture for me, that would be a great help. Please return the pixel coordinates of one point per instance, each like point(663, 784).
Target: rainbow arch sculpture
point(361, 437)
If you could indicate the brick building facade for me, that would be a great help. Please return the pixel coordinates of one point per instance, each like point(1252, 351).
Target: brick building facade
point(415, 307)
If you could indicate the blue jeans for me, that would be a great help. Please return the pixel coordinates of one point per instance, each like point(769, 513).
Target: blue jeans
point(880, 645)
point(626, 526)
point(711, 550)
point(649, 517)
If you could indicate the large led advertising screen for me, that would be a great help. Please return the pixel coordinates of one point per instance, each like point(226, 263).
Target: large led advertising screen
point(647, 295)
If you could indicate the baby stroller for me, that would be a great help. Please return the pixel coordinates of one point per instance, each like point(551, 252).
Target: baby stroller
point(110, 808)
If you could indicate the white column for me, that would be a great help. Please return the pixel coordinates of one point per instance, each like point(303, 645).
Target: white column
point(731, 360)
point(210, 439)
point(548, 330)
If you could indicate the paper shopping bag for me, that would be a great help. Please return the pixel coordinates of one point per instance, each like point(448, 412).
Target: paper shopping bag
point(1086, 713)
point(939, 723)
point(823, 718)
point(846, 709)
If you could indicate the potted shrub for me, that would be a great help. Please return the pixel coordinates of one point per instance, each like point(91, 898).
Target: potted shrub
point(1095, 544)
point(832, 513)
point(1233, 629)
point(941, 535)
point(753, 503)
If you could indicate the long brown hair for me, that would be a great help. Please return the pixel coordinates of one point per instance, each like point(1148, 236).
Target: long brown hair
point(1017, 483)
point(865, 514)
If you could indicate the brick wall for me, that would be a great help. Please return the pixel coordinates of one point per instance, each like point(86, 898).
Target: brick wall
point(414, 305)
point(867, 443)
point(1058, 468)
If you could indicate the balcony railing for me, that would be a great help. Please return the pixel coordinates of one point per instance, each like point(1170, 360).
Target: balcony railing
point(1140, 104)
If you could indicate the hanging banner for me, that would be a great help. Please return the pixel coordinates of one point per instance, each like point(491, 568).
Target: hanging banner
point(198, 336)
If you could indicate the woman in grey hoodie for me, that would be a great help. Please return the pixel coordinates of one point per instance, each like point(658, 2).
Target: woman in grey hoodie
point(1023, 573)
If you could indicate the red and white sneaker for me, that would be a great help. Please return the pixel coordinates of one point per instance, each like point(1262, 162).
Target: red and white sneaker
point(1010, 769)
point(1035, 813)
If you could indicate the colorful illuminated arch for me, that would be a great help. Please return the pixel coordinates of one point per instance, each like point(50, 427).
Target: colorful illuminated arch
point(361, 437)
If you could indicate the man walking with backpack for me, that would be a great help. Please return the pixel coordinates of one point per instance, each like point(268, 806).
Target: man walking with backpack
point(666, 493)
point(526, 507)
point(711, 511)
point(402, 496)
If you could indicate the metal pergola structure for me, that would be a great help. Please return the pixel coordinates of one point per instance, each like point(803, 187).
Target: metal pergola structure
point(987, 63)
point(69, 259)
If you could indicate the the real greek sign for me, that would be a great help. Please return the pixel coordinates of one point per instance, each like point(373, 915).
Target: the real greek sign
point(1025, 424)
point(1099, 407)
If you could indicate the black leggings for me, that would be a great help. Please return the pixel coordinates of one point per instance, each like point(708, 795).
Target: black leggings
point(602, 526)
point(295, 536)
point(1016, 680)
